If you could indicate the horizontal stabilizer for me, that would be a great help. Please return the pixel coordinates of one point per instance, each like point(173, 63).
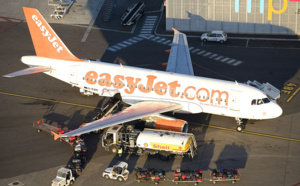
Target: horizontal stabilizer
point(30, 70)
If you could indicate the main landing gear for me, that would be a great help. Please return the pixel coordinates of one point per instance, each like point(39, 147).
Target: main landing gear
point(241, 124)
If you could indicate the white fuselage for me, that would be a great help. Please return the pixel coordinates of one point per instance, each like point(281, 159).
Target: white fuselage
point(195, 94)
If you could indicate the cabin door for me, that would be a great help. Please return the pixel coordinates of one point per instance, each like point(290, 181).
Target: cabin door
point(234, 100)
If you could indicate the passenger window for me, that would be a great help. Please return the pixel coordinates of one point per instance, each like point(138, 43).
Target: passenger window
point(253, 102)
point(212, 35)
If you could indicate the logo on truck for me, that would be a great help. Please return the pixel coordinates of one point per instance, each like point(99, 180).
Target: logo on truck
point(163, 147)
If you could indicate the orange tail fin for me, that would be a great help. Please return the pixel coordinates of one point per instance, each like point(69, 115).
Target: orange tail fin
point(45, 40)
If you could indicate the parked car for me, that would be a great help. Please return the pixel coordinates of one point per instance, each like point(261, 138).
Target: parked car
point(216, 36)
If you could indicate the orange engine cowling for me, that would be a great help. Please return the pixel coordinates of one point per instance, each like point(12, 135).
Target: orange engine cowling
point(173, 125)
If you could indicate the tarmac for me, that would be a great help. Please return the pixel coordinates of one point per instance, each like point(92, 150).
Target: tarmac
point(267, 153)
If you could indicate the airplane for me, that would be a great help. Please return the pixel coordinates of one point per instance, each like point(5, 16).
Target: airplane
point(149, 92)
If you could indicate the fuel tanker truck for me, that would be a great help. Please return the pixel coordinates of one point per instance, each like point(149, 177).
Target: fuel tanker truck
point(149, 141)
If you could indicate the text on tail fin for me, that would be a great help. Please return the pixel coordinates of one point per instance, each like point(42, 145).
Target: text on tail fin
point(45, 40)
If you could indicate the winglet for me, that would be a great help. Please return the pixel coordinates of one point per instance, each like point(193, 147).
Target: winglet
point(175, 31)
point(45, 40)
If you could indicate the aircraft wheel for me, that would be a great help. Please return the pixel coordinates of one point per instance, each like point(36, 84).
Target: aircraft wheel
point(120, 179)
point(114, 149)
point(239, 128)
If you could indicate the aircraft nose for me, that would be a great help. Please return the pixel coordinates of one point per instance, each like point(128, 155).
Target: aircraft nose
point(277, 111)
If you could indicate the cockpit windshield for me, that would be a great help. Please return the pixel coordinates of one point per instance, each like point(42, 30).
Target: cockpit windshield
point(260, 101)
point(266, 100)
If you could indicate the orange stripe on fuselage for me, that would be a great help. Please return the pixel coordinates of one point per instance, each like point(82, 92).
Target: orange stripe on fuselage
point(45, 40)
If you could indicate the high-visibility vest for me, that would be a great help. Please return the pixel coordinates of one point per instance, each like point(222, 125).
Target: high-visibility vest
point(120, 151)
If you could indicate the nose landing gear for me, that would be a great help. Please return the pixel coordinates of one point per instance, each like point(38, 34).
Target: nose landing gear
point(241, 124)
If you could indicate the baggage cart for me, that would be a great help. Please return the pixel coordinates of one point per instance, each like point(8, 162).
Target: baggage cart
point(188, 176)
point(231, 175)
point(153, 175)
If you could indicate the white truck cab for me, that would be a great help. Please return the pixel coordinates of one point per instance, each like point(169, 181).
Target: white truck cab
point(117, 172)
point(64, 177)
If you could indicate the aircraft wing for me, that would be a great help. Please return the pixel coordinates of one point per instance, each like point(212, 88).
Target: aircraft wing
point(30, 70)
point(136, 111)
point(180, 59)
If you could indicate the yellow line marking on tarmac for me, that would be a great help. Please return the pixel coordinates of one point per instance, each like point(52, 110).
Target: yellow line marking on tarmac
point(55, 101)
point(211, 126)
point(248, 132)
point(293, 95)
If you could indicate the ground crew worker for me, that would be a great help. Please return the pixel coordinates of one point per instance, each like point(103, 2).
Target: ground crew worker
point(120, 151)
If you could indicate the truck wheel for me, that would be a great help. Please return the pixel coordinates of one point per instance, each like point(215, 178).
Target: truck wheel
point(204, 40)
point(214, 182)
point(106, 176)
point(120, 179)
point(195, 183)
point(71, 182)
point(221, 41)
point(114, 149)
point(156, 183)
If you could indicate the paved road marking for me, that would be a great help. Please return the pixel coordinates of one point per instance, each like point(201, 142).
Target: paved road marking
point(12, 22)
point(293, 95)
point(148, 25)
point(49, 100)
point(231, 61)
point(203, 51)
point(95, 14)
point(248, 132)
point(225, 59)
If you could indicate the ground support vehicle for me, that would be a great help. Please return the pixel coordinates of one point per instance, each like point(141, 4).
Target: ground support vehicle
point(117, 172)
point(79, 156)
point(61, 8)
point(41, 125)
point(64, 177)
point(153, 175)
point(149, 141)
point(188, 176)
point(224, 175)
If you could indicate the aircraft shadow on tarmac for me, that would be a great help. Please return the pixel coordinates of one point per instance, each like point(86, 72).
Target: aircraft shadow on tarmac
point(232, 157)
point(74, 121)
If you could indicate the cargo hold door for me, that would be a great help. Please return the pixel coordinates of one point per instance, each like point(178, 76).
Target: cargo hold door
point(73, 75)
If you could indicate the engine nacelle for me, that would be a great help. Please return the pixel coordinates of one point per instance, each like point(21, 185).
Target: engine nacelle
point(173, 125)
